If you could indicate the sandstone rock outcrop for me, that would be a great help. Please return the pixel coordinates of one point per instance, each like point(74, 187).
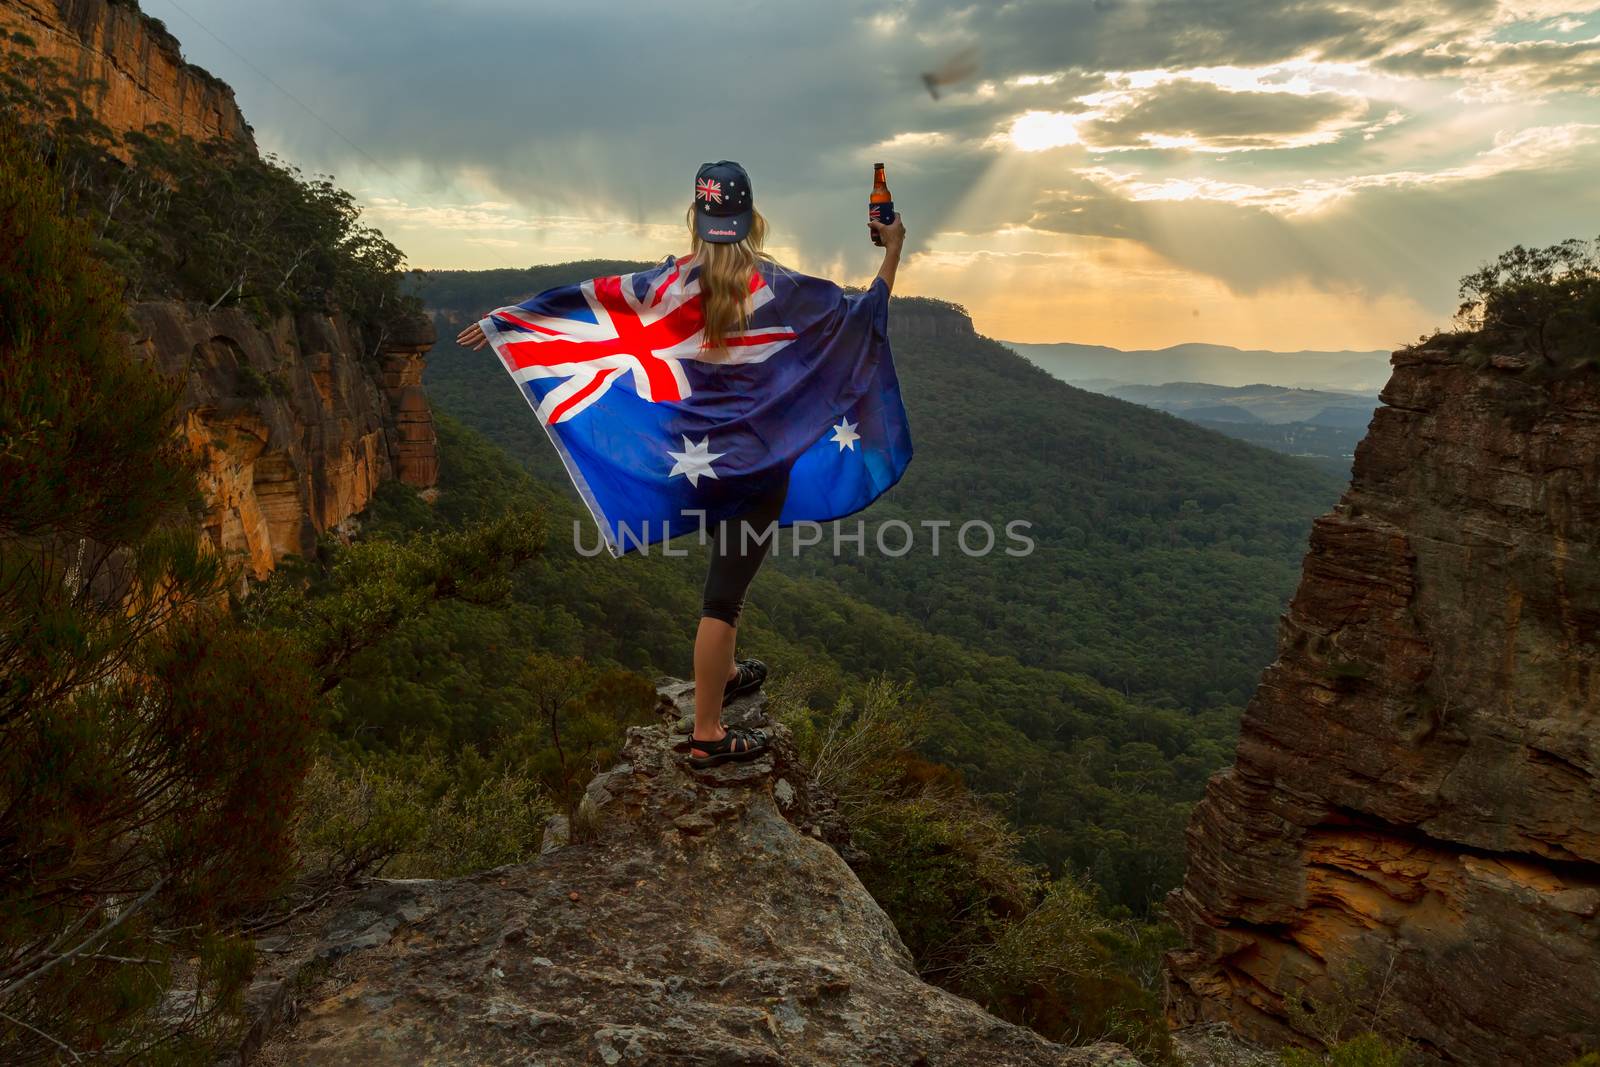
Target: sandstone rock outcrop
point(294, 426)
point(296, 421)
point(1416, 797)
point(142, 77)
point(707, 921)
point(924, 318)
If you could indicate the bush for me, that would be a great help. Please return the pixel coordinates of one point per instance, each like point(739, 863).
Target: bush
point(1542, 301)
point(150, 749)
point(418, 815)
point(1366, 1050)
point(213, 222)
point(947, 869)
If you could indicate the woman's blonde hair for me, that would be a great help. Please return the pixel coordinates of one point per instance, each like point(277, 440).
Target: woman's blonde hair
point(725, 271)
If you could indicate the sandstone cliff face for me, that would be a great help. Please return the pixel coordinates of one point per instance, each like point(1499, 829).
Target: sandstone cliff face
point(294, 428)
point(294, 424)
point(708, 922)
point(144, 78)
point(1417, 788)
point(923, 318)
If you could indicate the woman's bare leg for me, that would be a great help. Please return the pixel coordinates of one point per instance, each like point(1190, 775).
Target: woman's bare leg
point(713, 667)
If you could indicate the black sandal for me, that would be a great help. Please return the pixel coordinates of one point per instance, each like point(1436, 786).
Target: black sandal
point(739, 743)
point(751, 673)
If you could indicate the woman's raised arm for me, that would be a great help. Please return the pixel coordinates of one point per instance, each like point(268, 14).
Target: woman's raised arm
point(893, 237)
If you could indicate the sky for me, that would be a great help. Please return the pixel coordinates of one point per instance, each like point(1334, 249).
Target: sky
point(1280, 174)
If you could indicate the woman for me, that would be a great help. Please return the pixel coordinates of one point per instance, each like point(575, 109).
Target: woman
point(834, 364)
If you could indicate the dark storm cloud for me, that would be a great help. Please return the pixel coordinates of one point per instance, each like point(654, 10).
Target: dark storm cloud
point(605, 113)
point(1169, 34)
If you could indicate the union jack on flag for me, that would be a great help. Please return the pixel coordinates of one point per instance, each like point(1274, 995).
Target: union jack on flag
point(708, 189)
point(660, 434)
point(648, 334)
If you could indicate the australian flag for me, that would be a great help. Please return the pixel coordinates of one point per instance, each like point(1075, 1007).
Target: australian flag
point(662, 436)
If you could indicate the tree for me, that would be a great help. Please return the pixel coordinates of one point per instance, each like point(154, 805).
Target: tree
point(577, 715)
point(1545, 301)
point(150, 749)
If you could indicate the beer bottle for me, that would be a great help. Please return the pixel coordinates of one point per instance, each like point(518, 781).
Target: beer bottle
point(880, 205)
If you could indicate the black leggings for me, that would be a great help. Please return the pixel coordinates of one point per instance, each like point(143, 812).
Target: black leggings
point(738, 545)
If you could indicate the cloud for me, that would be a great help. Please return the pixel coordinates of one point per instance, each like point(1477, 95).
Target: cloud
point(1188, 113)
point(1502, 70)
point(1251, 140)
point(1409, 232)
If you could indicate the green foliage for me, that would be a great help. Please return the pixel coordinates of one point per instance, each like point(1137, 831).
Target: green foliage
point(222, 225)
point(422, 814)
point(366, 591)
point(150, 748)
point(425, 808)
point(1365, 1050)
point(1347, 1020)
point(86, 449)
point(1165, 552)
point(213, 222)
point(577, 716)
point(1542, 301)
point(948, 870)
point(1070, 971)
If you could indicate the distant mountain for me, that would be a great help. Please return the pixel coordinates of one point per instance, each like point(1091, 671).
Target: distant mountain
point(1217, 413)
point(1163, 552)
point(1347, 370)
point(1246, 403)
point(1317, 424)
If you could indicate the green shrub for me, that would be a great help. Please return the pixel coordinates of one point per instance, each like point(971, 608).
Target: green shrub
point(1542, 301)
point(416, 815)
point(1365, 1050)
point(947, 869)
point(150, 748)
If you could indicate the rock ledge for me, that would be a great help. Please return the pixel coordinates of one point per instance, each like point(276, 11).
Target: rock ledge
point(706, 922)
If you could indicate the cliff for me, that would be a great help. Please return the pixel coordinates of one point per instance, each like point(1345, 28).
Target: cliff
point(1413, 819)
point(296, 421)
point(925, 318)
point(136, 74)
point(708, 920)
point(294, 426)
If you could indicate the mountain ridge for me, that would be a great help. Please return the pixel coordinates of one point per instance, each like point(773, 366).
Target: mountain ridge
point(1353, 369)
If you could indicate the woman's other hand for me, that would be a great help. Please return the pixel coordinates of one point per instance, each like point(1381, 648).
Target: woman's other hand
point(472, 337)
point(893, 234)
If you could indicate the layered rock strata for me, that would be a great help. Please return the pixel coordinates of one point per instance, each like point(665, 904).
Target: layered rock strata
point(131, 69)
point(1412, 824)
point(295, 426)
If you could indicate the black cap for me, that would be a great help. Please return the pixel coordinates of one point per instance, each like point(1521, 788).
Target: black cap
point(722, 202)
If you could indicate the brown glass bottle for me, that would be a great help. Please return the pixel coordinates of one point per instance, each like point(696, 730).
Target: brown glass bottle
point(880, 205)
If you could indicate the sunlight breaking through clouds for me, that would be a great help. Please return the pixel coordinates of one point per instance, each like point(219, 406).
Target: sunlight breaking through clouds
point(1241, 150)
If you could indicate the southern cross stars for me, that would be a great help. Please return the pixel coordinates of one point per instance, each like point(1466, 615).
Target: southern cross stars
point(694, 460)
point(845, 434)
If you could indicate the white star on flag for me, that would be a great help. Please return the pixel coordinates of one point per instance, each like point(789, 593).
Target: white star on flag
point(694, 460)
point(845, 434)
